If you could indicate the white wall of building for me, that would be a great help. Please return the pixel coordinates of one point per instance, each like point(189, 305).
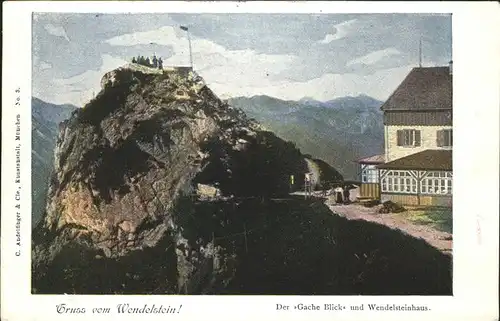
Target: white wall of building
point(428, 140)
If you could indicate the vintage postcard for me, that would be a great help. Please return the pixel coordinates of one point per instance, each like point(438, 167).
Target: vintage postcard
point(250, 160)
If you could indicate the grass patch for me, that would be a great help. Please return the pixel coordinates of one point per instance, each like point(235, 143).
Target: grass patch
point(439, 218)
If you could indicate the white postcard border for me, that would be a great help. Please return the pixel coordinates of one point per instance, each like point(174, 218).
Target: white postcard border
point(476, 52)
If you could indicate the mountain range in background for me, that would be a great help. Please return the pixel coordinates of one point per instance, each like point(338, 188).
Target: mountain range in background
point(45, 119)
point(338, 131)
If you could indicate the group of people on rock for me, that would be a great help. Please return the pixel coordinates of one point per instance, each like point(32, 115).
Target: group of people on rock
point(154, 62)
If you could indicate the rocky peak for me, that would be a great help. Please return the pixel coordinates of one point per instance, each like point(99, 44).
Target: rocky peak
point(147, 139)
point(142, 128)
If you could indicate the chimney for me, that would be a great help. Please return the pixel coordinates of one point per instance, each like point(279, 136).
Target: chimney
point(450, 67)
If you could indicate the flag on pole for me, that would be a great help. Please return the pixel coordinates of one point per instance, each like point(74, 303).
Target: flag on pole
point(184, 28)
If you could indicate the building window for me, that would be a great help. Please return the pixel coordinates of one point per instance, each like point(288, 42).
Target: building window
point(408, 137)
point(400, 182)
point(369, 174)
point(437, 183)
point(444, 138)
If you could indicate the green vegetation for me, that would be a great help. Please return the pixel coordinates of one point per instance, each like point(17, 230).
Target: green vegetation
point(263, 168)
point(296, 246)
point(438, 217)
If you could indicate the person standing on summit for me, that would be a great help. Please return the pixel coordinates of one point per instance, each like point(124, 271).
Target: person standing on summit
point(155, 62)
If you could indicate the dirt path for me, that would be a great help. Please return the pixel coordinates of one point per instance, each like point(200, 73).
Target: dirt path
point(438, 239)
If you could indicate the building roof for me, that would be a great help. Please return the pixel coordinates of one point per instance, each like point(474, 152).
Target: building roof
point(425, 88)
point(430, 159)
point(375, 159)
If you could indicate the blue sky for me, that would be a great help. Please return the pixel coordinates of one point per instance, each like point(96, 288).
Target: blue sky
point(288, 56)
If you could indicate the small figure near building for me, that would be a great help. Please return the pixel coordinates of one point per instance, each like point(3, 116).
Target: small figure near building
point(308, 184)
point(347, 194)
point(338, 194)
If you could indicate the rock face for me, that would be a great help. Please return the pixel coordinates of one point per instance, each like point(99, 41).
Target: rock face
point(125, 161)
point(45, 119)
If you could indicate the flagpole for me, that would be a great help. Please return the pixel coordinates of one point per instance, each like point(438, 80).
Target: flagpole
point(186, 29)
point(190, 50)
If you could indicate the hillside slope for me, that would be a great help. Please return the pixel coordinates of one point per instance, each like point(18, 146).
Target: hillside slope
point(45, 119)
point(338, 131)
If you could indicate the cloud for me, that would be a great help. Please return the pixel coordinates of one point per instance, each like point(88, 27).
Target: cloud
point(378, 85)
point(240, 54)
point(57, 31)
point(213, 61)
point(341, 30)
point(167, 36)
point(45, 65)
point(236, 72)
point(374, 57)
point(77, 90)
point(164, 36)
